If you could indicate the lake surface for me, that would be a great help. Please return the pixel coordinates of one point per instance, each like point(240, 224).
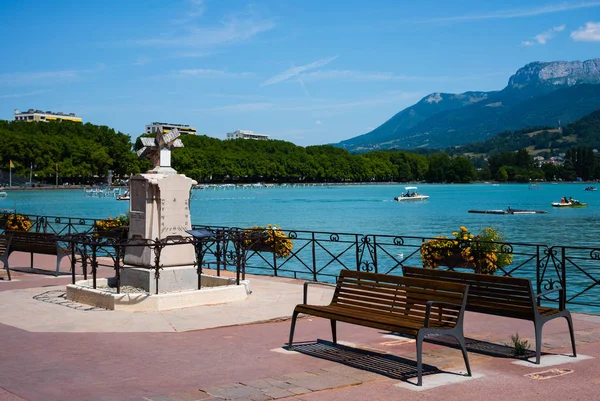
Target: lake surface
point(365, 209)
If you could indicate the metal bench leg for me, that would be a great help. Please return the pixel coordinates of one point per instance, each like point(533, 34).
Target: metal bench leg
point(59, 258)
point(292, 328)
point(570, 323)
point(420, 337)
point(463, 348)
point(333, 330)
point(7, 268)
point(538, 341)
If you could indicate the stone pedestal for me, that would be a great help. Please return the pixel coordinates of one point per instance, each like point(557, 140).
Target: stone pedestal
point(177, 278)
point(159, 208)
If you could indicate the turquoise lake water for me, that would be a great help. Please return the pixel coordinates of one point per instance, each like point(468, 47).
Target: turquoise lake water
point(365, 209)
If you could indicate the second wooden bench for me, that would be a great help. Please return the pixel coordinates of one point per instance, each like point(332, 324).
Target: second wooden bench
point(502, 296)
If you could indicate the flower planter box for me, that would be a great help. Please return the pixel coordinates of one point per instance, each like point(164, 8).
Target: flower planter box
point(455, 259)
point(116, 233)
point(258, 246)
point(255, 241)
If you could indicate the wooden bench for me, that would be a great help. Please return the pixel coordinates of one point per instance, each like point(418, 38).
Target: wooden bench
point(502, 296)
point(36, 242)
point(4, 245)
point(411, 306)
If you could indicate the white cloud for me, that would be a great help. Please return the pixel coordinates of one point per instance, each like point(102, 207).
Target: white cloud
point(588, 33)
point(318, 122)
point(209, 73)
point(384, 76)
point(196, 8)
point(544, 37)
point(238, 108)
point(517, 12)
point(142, 61)
point(13, 95)
point(296, 71)
point(39, 77)
point(231, 29)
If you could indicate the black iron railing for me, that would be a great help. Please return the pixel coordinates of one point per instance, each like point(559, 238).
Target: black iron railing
point(319, 256)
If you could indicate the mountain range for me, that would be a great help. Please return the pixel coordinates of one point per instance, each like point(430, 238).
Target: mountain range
point(538, 94)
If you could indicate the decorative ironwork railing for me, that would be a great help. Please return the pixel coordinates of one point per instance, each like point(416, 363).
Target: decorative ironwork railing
point(319, 256)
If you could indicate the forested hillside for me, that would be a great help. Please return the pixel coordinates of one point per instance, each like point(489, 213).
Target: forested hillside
point(85, 153)
point(212, 160)
point(80, 152)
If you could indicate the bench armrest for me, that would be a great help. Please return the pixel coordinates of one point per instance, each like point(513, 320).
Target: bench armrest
point(429, 304)
point(541, 294)
point(307, 283)
point(561, 293)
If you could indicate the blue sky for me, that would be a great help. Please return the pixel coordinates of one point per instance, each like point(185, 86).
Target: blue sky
point(308, 72)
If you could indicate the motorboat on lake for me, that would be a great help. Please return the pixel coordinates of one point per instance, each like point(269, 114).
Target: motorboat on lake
point(3, 194)
point(569, 203)
point(410, 195)
point(125, 196)
point(590, 188)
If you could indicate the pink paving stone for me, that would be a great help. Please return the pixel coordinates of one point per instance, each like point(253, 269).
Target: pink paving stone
point(93, 366)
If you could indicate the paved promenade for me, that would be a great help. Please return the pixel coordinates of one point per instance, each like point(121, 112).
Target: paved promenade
point(53, 349)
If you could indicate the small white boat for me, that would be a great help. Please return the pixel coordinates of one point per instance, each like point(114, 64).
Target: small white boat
point(125, 196)
point(411, 196)
point(574, 203)
point(3, 194)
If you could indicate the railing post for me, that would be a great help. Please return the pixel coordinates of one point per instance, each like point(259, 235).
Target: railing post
point(563, 279)
point(158, 245)
point(538, 275)
point(118, 264)
point(73, 261)
point(94, 262)
point(374, 252)
point(314, 256)
point(357, 251)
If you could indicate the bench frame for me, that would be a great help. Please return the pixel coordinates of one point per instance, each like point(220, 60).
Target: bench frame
point(524, 303)
point(415, 307)
point(4, 252)
point(35, 242)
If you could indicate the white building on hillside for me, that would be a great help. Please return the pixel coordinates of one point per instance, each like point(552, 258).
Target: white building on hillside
point(166, 127)
point(39, 115)
point(243, 134)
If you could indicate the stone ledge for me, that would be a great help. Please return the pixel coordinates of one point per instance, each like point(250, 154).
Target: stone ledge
point(82, 292)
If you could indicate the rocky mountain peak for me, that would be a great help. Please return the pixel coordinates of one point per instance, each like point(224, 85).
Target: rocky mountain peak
point(556, 73)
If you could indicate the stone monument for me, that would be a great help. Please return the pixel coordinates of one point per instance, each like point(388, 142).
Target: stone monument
point(160, 208)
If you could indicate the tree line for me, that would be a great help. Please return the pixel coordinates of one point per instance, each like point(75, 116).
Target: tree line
point(84, 154)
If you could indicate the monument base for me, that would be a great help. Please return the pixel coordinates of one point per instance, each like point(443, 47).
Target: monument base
point(177, 278)
point(224, 290)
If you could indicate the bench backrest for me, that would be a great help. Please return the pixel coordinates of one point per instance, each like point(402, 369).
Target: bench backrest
point(27, 241)
point(495, 295)
point(402, 296)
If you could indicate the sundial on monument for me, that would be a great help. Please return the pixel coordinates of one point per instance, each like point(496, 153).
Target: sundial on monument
point(158, 150)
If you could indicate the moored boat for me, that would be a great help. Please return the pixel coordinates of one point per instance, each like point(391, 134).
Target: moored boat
point(574, 203)
point(411, 196)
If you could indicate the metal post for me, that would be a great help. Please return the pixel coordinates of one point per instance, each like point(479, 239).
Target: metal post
point(314, 257)
point(158, 245)
point(94, 263)
point(73, 244)
point(118, 264)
